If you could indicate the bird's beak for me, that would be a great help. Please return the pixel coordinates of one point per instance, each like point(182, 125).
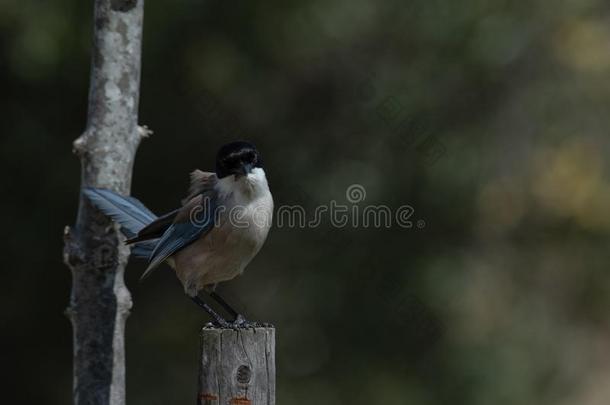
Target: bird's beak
point(244, 169)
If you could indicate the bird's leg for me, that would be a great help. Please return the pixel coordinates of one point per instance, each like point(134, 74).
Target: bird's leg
point(238, 319)
point(224, 304)
point(217, 318)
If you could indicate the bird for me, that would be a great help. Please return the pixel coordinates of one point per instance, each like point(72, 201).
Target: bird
point(219, 228)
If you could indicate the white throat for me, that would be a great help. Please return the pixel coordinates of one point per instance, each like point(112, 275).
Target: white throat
point(244, 189)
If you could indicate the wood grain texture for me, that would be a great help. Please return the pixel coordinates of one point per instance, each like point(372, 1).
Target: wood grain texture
point(237, 367)
point(94, 251)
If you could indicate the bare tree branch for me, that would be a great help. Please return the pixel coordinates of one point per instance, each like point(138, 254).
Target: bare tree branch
point(100, 302)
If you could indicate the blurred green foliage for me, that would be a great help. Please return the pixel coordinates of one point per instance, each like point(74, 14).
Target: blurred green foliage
point(489, 117)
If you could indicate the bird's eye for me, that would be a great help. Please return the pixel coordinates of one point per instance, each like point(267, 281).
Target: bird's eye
point(249, 157)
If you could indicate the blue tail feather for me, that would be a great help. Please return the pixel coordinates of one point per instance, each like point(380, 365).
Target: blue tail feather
point(128, 212)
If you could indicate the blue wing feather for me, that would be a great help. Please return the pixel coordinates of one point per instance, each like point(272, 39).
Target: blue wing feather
point(178, 236)
point(143, 250)
point(133, 216)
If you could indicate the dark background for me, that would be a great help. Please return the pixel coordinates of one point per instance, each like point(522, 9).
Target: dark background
point(490, 118)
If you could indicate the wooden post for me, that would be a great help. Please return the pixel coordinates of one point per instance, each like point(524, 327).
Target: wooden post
point(237, 367)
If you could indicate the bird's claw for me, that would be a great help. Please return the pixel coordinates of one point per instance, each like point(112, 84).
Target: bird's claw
point(239, 323)
point(221, 323)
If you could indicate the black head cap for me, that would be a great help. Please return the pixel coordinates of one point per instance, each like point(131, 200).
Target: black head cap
point(238, 158)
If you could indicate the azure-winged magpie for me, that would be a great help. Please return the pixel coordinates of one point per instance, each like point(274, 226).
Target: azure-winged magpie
point(216, 232)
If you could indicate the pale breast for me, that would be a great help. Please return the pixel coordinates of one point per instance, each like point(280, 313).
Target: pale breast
point(225, 251)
